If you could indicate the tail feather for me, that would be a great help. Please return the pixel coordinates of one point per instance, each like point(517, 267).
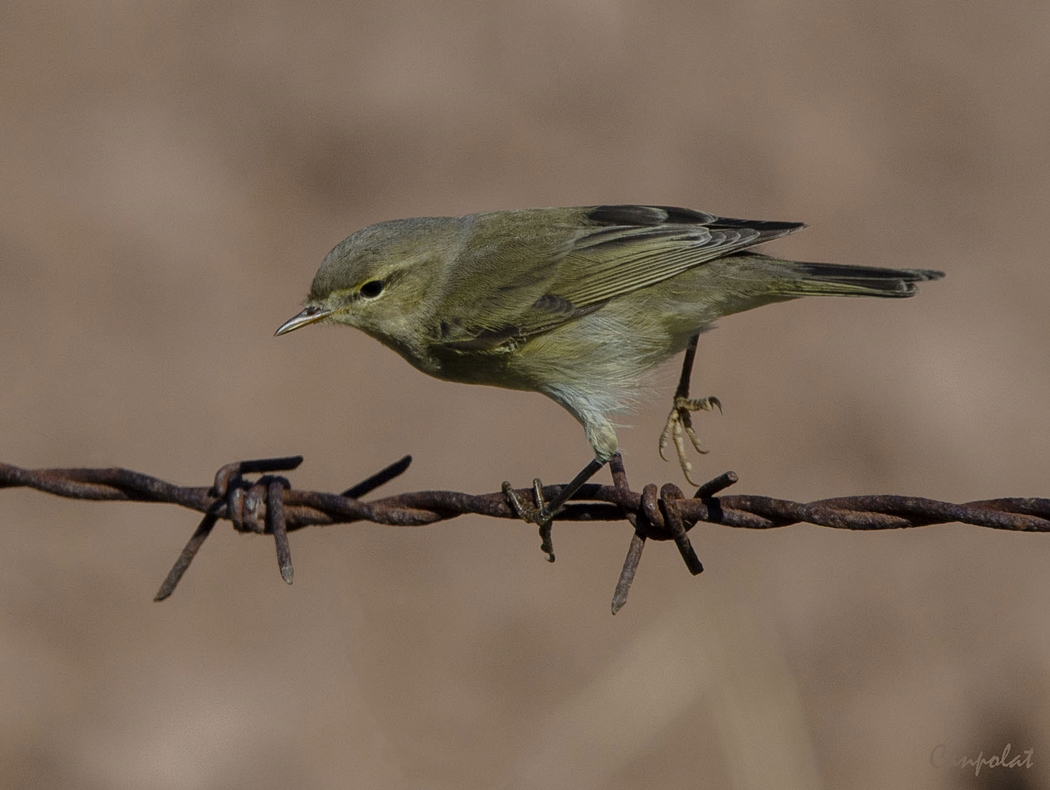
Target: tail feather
point(836, 279)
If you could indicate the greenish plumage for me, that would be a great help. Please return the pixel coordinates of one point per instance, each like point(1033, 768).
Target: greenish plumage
point(576, 303)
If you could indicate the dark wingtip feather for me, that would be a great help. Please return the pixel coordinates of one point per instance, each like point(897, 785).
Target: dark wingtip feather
point(647, 215)
point(650, 215)
point(758, 224)
point(673, 215)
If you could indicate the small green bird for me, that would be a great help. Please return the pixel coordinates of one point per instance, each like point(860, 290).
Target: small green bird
point(576, 303)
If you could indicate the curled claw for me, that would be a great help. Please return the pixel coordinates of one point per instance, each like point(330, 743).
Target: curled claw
point(680, 424)
point(543, 513)
point(540, 515)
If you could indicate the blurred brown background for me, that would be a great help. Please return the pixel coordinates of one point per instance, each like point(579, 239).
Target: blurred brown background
point(172, 176)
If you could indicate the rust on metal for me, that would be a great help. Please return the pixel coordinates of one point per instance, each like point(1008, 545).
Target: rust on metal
point(269, 505)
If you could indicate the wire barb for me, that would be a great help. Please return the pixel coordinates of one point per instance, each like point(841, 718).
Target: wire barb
point(269, 505)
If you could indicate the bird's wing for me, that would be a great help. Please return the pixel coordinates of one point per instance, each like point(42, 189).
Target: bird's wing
point(539, 275)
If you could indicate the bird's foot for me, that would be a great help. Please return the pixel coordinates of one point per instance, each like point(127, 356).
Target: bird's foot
point(680, 424)
point(540, 515)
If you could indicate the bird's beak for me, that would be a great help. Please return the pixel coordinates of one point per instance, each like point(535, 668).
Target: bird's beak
point(309, 315)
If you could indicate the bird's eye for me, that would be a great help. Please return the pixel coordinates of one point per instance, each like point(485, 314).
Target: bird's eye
point(372, 289)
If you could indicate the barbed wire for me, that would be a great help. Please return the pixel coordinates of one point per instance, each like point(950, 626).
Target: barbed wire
point(269, 505)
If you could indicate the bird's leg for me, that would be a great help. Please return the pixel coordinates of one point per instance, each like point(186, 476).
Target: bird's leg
point(680, 421)
point(543, 514)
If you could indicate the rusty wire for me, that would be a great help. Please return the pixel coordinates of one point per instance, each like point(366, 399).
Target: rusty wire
point(269, 505)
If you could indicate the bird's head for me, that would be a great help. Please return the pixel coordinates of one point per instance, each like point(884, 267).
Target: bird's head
point(378, 279)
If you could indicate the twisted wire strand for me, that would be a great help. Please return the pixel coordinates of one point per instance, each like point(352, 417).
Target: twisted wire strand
point(269, 505)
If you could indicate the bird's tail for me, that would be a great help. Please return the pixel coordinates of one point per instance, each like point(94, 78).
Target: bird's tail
point(835, 279)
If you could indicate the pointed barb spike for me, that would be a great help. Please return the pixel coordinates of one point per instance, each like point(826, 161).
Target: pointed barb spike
point(193, 545)
point(383, 476)
point(630, 568)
